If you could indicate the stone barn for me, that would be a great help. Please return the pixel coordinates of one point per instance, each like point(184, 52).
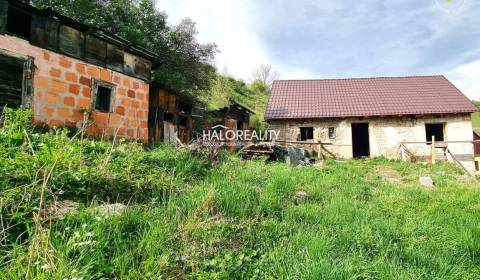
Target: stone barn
point(366, 117)
point(66, 71)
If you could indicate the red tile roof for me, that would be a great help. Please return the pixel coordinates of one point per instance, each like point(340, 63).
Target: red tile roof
point(298, 99)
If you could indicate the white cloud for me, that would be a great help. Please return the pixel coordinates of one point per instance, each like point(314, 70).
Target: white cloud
point(308, 39)
point(225, 23)
point(467, 79)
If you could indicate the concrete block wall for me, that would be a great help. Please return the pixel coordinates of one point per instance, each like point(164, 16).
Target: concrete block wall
point(385, 134)
point(63, 90)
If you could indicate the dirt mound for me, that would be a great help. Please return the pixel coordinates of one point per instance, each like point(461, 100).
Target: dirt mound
point(388, 175)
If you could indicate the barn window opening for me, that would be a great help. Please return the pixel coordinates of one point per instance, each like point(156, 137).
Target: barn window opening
point(477, 167)
point(104, 94)
point(19, 22)
point(11, 77)
point(306, 133)
point(331, 132)
point(434, 129)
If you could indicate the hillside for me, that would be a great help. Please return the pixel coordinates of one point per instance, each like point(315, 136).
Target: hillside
point(476, 121)
point(226, 90)
point(191, 218)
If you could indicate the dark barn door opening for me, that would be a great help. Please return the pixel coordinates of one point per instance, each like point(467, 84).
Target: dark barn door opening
point(11, 81)
point(434, 129)
point(156, 115)
point(16, 81)
point(360, 140)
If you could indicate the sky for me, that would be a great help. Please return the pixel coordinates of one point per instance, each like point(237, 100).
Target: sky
point(308, 39)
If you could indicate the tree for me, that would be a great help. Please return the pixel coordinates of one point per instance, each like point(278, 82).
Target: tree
point(184, 63)
point(476, 103)
point(265, 74)
point(187, 67)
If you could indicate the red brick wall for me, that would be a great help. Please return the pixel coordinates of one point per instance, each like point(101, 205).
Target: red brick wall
point(62, 90)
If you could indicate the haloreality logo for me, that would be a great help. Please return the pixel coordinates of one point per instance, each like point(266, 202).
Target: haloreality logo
point(450, 6)
point(223, 133)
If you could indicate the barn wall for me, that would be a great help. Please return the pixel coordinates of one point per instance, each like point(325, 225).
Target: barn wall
point(385, 134)
point(63, 90)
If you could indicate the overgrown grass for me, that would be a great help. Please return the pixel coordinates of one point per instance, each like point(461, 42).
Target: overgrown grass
point(238, 219)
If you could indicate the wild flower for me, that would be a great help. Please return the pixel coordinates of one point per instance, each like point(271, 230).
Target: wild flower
point(45, 266)
point(90, 234)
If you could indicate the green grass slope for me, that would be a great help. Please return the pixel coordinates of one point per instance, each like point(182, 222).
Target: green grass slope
point(235, 219)
point(476, 122)
point(226, 90)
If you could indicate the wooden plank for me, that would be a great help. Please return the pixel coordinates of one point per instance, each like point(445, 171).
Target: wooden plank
point(137, 66)
point(95, 50)
point(129, 63)
point(143, 68)
point(44, 32)
point(172, 103)
point(163, 98)
point(28, 74)
point(71, 41)
point(10, 98)
point(153, 98)
point(458, 162)
point(114, 58)
point(444, 142)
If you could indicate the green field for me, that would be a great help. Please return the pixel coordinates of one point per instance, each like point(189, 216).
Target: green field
point(193, 218)
point(476, 122)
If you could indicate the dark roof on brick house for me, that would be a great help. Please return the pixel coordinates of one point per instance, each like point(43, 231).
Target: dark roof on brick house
point(300, 99)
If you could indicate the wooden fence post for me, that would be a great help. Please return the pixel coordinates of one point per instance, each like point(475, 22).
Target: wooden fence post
point(433, 149)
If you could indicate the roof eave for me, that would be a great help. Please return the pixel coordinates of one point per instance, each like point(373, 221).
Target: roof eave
point(368, 116)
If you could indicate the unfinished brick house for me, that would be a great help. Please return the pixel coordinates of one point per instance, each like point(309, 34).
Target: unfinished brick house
point(62, 69)
point(366, 117)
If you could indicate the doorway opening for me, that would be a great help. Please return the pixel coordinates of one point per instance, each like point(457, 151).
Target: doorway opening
point(360, 140)
point(434, 129)
point(306, 133)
